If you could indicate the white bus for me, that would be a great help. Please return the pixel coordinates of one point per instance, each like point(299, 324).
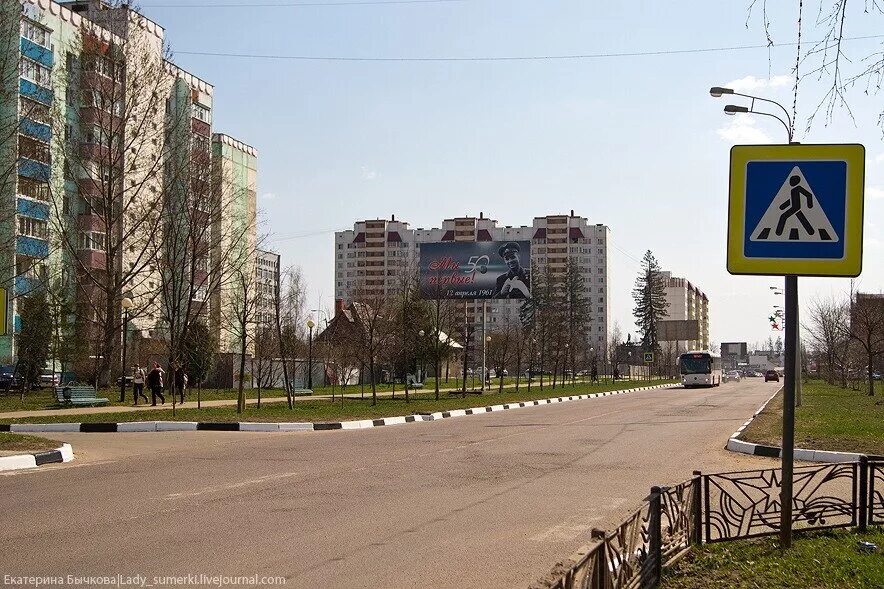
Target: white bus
point(700, 369)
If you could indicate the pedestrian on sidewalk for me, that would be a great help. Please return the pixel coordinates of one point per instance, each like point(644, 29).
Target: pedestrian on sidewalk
point(180, 380)
point(138, 383)
point(155, 383)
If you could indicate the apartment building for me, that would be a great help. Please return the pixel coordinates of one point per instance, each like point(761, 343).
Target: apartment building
point(377, 255)
point(267, 275)
point(686, 301)
point(89, 159)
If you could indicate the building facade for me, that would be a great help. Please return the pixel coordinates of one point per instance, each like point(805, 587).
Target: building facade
point(686, 302)
point(377, 256)
point(105, 144)
point(267, 276)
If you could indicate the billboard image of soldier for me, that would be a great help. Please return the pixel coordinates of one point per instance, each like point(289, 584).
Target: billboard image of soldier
point(475, 270)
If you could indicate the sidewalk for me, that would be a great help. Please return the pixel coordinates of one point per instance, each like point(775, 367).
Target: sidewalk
point(191, 402)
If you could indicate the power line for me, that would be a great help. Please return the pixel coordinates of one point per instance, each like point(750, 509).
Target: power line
point(304, 4)
point(512, 58)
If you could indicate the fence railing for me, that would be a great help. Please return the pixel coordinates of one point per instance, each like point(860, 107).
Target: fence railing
point(721, 507)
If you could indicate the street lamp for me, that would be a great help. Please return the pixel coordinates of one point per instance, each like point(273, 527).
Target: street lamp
point(310, 326)
point(732, 109)
point(127, 304)
point(484, 365)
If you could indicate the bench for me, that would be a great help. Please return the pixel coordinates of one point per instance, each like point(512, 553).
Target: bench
point(301, 392)
point(460, 393)
point(78, 395)
point(413, 384)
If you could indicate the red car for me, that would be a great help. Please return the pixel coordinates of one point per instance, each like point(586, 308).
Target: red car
point(771, 375)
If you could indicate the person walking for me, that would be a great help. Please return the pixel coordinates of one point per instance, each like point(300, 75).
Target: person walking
point(155, 383)
point(180, 380)
point(138, 383)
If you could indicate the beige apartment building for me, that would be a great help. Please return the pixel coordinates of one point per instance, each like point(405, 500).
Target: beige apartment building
point(377, 255)
point(686, 301)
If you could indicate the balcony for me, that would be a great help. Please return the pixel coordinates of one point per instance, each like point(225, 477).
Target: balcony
point(32, 90)
point(38, 131)
point(90, 222)
point(31, 247)
point(34, 170)
point(89, 188)
point(32, 209)
point(92, 115)
point(92, 259)
point(37, 53)
point(25, 284)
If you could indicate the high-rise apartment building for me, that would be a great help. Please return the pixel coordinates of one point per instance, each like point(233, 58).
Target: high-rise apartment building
point(267, 275)
point(377, 255)
point(105, 145)
point(686, 301)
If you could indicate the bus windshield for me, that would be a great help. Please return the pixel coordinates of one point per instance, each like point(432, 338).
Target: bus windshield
point(695, 364)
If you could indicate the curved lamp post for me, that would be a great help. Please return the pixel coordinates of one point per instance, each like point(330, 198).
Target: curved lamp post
point(126, 304)
point(310, 326)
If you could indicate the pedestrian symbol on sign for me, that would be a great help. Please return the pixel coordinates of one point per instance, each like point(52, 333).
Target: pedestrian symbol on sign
point(795, 214)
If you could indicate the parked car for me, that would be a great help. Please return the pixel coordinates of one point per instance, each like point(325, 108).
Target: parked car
point(8, 378)
point(48, 378)
point(771, 375)
point(733, 375)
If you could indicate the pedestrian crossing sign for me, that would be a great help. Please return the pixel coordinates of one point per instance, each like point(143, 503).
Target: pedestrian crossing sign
point(796, 210)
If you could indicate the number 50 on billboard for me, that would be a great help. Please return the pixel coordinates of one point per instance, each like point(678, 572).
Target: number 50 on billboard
point(476, 270)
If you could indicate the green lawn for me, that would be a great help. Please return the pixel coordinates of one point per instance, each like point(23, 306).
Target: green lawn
point(19, 443)
point(822, 560)
point(40, 399)
point(327, 410)
point(830, 418)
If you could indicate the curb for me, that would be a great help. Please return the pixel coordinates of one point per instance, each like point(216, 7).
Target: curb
point(171, 426)
point(735, 444)
point(20, 461)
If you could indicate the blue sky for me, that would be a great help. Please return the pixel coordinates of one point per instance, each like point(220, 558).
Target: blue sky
point(632, 142)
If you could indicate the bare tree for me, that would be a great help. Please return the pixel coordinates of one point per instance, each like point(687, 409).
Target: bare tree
point(500, 350)
point(375, 330)
point(118, 156)
point(867, 330)
point(239, 316)
point(290, 308)
point(827, 327)
point(266, 350)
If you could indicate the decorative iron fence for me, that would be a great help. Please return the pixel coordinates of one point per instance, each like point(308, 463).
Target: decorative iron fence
point(726, 506)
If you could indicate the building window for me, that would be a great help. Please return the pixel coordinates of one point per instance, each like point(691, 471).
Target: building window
point(33, 110)
point(92, 240)
point(33, 189)
point(33, 150)
point(33, 71)
point(34, 32)
point(32, 227)
point(201, 112)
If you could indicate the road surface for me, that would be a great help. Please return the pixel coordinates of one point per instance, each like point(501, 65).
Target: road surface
point(481, 501)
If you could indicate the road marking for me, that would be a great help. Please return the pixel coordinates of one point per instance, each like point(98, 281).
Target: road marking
point(231, 486)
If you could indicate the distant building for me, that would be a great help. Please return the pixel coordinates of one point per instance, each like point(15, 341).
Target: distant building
point(686, 301)
point(267, 281)
point(734, 354)
point(377, 255)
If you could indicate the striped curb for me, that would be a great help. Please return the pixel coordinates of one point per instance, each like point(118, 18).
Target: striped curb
point(170, 426)
point(735, 444)
point(20, 461)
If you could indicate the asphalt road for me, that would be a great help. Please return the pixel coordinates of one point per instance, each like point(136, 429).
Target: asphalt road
point(482, 501)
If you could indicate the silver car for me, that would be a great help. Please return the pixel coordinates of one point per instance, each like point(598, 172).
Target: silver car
point(733, 375)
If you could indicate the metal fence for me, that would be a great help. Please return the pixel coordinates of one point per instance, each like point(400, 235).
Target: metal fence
point(721, 507)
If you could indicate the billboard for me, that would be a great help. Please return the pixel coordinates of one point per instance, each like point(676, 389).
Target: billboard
point(678, 330)
point(475, 270)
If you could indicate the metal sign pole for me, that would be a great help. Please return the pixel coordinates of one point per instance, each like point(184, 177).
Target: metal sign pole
point(789, 385)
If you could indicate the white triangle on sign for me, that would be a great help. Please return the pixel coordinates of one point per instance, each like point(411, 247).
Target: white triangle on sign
point(795, 215)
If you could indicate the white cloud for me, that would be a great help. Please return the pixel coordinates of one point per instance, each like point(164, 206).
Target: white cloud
point(368, 173)
point(268, 196)
point(879, 159)
point(743, 130)
point(875, 192)
point(751, 83)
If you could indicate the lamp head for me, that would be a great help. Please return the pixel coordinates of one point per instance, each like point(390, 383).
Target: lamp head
point(126, 303)
point(732, 109)
point(717, 91)
point(310, 324)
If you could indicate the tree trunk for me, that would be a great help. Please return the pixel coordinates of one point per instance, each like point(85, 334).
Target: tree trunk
point(241, 394)
point(374, 389)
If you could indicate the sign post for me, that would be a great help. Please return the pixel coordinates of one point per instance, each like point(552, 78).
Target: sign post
point(795, 210)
